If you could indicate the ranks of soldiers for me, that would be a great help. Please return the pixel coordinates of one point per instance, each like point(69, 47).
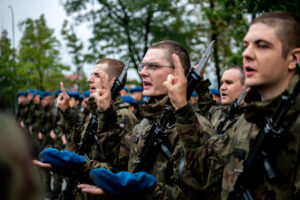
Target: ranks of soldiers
point(242, 145)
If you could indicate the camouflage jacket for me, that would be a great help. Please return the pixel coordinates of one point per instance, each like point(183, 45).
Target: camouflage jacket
point(285, 154)
point(174, 179)
point(47, 124)
point(108, 144)
point(21, 112)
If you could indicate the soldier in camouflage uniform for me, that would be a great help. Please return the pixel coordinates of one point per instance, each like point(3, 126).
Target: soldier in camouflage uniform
point(232, 85)
point(21, 106)
point(160, 82)
point(104, 152)
point(29, 108)
point(269, 61)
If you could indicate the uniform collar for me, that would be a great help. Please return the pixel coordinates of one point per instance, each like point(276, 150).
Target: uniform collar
point(153, 110)
point(256, 110)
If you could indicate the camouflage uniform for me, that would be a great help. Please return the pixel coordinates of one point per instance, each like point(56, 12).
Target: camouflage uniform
point(21, 112)
point(112, 126)
point(286, 154)
point(174, 180)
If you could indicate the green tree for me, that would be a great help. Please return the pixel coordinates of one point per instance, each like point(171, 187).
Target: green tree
point(224, 22)
point(75, 46)
point(124, 29)
point(39, 59)
point(8, 79)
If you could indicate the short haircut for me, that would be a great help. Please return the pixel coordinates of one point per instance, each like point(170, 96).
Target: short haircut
point(287, 28)
point(241, 70)
point(114, 69)
point(174, 47)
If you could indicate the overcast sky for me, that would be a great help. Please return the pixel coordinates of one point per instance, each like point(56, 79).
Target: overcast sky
point(54, 14)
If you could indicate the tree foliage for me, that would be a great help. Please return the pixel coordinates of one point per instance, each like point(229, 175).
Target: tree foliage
point(39, 63)
point(124, 29)
point(7, 68)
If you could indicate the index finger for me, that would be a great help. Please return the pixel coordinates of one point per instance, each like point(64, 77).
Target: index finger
point(62, 88)
point(178, 66)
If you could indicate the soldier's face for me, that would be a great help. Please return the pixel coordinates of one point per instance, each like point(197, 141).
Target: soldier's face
point(94, 80)
point(37, 99)
point(231, 86)
point(153, 80)
point(265, 68)
point(21, 100)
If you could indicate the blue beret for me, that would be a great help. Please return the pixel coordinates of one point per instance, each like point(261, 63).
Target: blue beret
point(74, 95)
point(47, 93)
point(126, 89)
point(137, 89)
point(122, 183)
point(33, 91)
point(215, 91)
point(22, 94)
point(194, 94)
point(86, 94)
point(128, 99)
point(61, 158)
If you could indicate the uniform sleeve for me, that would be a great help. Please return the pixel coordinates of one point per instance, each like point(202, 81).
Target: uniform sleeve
point(195, 132)
point(205, 99)
point(73, 124)
point(115, 126)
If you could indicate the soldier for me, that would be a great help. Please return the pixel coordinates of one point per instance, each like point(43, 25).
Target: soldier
point(269, 62)
point(21, 106)
point(232, 85)
point(161, 71)
point(106, 145)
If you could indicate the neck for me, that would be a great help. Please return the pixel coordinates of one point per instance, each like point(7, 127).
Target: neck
point(271, 91)
point(159, 98)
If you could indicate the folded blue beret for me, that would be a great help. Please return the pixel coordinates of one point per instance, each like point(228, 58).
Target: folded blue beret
point(60, 158)
point(122, 183)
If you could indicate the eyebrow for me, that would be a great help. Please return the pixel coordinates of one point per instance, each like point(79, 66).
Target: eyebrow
point(258, 41)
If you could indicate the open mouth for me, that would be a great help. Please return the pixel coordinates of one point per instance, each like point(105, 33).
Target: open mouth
point(223, 95)
point(147, 84)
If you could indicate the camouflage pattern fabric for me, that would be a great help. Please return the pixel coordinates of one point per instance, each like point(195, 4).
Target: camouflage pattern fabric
point(174, 179)
point(109, 149)
point(286, 155)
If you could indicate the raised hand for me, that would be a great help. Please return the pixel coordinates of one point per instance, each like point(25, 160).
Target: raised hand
point(176, 85)
point(63, 98)
point(102, 96)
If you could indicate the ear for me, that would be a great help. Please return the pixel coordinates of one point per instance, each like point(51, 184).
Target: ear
point(293, 57)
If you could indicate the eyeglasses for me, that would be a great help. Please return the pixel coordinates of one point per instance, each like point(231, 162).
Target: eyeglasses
point(151, 67)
